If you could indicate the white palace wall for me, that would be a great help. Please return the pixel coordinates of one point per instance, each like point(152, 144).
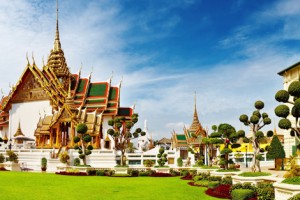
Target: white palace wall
point(28, 114)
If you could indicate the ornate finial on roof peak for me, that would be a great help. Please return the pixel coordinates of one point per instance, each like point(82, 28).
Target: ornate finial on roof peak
point(28, 63)
point(57, 44)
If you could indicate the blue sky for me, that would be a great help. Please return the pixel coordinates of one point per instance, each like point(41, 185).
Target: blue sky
point(229, 52)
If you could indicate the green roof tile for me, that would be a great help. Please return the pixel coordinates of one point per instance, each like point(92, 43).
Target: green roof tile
point(180, 137)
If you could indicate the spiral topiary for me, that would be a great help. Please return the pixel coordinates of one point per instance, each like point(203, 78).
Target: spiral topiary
point(282, 111)
point(284, 124)
point(282, 96)
point(254, 119)
point(259, 105)
point(294, 88)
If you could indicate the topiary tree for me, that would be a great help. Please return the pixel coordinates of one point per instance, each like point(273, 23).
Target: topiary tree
point(276, 151)
point(121, 134)
point(256, 122)
point(162, 157)
point(227, 135)
point(82, 141)
point(289, 97)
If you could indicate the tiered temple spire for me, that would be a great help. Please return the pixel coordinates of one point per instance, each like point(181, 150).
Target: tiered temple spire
point(195, 124)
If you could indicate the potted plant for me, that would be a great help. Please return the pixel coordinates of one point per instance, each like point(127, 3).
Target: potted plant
point(44, 164)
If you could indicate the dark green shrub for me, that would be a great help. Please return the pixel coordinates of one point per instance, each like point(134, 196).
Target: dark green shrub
point(215, 178)
point(204, 175)
point(184, 173)
point(174, 172)
point(197, 178)
point(100, 173)
point(227, 180)
point(12, 156)
point(213, 184)
point(91, 172)
point(133, 172)
point(179, 162)
point(295, 197)
point(242, 194)
point(265, 191)
point(146, 173)
point(2, 158)
point(148, 163)
point(193, 172)
point(248, 186)
point(109, 172)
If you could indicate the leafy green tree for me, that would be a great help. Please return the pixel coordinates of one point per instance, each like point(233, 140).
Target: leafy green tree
point(256, 122)
point(289, 97)
point(82, 142)
point(120, 131)
point(276, 151)
point(227, 135)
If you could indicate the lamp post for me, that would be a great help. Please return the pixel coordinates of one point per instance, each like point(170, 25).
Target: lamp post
point(246, 156)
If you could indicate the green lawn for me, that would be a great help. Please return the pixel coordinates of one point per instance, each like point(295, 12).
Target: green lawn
point(26, 185)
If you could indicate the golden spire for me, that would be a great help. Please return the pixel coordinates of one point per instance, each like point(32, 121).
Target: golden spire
point(19, 131)
point(195, 124)
point(57, 44)
point(56, 60)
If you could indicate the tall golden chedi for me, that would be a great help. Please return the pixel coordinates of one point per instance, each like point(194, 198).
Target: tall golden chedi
point(47, 104)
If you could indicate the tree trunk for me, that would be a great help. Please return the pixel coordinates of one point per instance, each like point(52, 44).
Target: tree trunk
point(123, 162)
point(255, 163)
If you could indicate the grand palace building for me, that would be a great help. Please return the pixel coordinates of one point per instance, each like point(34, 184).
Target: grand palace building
point(47, 103)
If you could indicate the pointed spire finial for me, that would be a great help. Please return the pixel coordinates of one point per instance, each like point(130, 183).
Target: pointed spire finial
point(33, 59)
point(28, 63)
point(195, 103)
point(57, 45)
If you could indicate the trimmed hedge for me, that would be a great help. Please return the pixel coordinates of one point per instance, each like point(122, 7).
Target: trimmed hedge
point(294, 180)
point(242, 194)
point(213, 184)
point(254, 174)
